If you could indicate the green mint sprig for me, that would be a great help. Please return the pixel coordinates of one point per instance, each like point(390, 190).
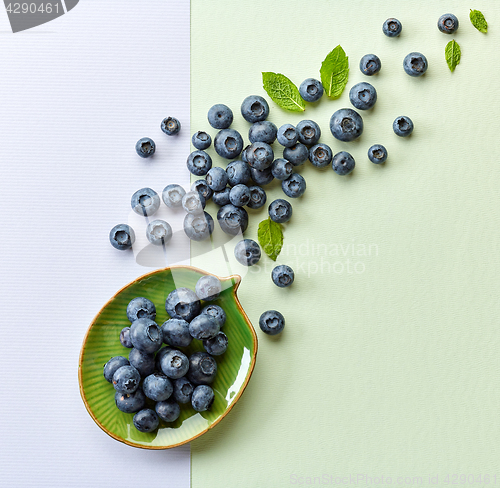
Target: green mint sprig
point(283, 92)
point(335, 72)
point(478, 21)
point(270, 235)
point(452, 54)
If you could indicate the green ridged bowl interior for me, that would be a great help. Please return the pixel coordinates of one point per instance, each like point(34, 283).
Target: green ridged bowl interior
point(102, 342)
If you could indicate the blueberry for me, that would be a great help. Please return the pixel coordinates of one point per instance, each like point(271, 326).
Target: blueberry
point(145, 147)
point(203, 398)
point(238, 172)
point(232, 220)
point(346, 124)
point(172, 195)
point(193, 202)
point(220, 116)
point(282, 275)
point(402, 126)
point(112, 365)
point(343, 163)
point(221, 198)
point(254, 109)
point(260, 155)
point(198, 226)
point(158, 232)
point(170, 126)
point(143, 362)
point(145, 335)
point(264, 131)
point(122, 236)
point(392, 27)
point(140, 308)
point(157, 387)
point(377, 154)
point(146, 420)
point(201, 140)
point(320, 155)
point(130, 402)
point(217, 345)
point(201, 186)
point(370, 64)
point(294, 186)
point(262, 177)
point(158, 358)
point(239, 195)
point(125, 338)
point(311, 90)
point(257, 197)
point(363, 96)
point(182, 303)
point(247, 252)
point(280, 211)
point(199, 163)
point(448, 23)
point(208, 288)
point(228, 143)
point(183, 390)
point(217, 178)
point(176, 333)
point(281, 168)
point(216, 312)
point(287, 135)
point(203, 327)
point(296, 154)
point(168, 411)
point(145, 202)
point(272, 322)
point(202, 368)
point(174, 364)
point(309, 132)
point(126, 379)
point(415, 64)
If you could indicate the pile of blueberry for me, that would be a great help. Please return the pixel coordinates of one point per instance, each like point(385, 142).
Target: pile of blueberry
point(166, 377)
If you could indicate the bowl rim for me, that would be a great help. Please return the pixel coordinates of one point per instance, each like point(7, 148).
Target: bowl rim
point(237, 280)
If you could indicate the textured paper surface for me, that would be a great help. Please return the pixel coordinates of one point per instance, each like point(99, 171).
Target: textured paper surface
point(76, 94)
point(389, 362)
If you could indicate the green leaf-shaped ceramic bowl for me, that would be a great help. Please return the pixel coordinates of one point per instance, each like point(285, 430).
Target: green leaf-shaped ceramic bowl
point(102, 342)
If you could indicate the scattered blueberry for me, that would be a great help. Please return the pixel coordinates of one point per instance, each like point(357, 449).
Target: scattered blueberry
point(145, 147)
point(203, 326)
point(172, 195)
point(157, 387)
point(199, 163)
point(415, 64)
point(272, 322)
point(343, 163)
point(168, 410)
point(232, 220)
point(146, 420)
point(228, 143)
point(448, 23)
point(176, 333)
point(402, 126)
point(216, 345)
point(143, 362)
point(287, 135)
point(170, 126)
point(202, 368)
point(208, 288)
point(309, 132)
point(145, 202)
point(183, 390)
point(370, 64)
point(193, 202)
point(174, 364)
point(217, 178)
point(141, 308)
point(392, 27)
point(216, 312)
point(112, 365)
point(203, 398)
point(264, 131)
point(346, 124)
point(201, 140)
point(125, 338)
point(221, 198)
point(377, 154)
point(257, 197)
point(311, 90)
point(260, 155)
point(254, 109)
point(238, 172)
point(320, 155)
point(280, 211)
point(294, 186)
point(220, 116)
point(247, 252)
point(130, 402)
point(182, 303)
point(122, 236)
point(363, 96)
point(282, 275)
point(198, 227)
point(239, 195)
point(281, 168)
point(262, 177)
point(158, 232)
point(201, 186)
point(126, 379)
point(296, 154)
point(146, 335)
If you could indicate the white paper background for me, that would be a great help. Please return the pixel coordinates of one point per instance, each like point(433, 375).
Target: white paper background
point(75, 96)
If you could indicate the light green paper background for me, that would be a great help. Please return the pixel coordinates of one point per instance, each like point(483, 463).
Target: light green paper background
point(391, 371)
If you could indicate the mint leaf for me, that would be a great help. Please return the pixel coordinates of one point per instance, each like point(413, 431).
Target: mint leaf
point(283, 92)
point(335, 72)
point(452, 54)
point(478, 21)
point(270, 237)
